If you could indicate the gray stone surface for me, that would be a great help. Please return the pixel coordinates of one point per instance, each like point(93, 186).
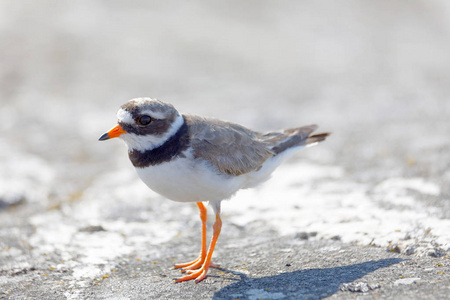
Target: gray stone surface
point(364, 215)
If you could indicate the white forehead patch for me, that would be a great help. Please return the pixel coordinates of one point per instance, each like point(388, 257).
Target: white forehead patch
point(125, 117)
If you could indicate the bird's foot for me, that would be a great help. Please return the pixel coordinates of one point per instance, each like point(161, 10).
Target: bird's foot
point(190, 267)
point(198, 274)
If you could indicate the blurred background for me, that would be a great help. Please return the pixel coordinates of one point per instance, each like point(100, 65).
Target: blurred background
point(375, 73)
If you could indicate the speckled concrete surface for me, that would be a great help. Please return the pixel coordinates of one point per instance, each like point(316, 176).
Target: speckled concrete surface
point(365, 214)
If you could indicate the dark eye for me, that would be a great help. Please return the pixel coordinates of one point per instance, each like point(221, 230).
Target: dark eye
point(144, 120)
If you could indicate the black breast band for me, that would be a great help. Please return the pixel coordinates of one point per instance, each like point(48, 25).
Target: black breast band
point(170, 149)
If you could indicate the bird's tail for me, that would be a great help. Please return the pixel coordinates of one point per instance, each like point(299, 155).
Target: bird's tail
point(293, 137)
point(316, 138)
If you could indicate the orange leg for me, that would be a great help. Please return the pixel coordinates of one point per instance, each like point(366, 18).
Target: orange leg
point(200, 274)
point(197, 263)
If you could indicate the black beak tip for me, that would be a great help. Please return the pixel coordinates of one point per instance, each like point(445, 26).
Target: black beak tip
point(104, 137)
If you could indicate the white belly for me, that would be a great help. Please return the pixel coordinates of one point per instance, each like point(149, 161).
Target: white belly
point(194, 180)
point(189, 180)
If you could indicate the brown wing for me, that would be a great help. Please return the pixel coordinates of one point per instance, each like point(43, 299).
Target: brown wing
point(232, 148)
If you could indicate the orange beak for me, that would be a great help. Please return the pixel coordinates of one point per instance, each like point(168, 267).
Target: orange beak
point(113, 133)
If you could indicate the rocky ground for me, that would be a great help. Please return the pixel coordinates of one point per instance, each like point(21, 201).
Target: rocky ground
point(365, 214)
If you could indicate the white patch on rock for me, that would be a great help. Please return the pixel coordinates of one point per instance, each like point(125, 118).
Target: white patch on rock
point(406, 281)
point(305, 197)
point(416, 184)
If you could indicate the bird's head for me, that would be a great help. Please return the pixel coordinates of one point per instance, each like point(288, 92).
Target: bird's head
point(145, 123)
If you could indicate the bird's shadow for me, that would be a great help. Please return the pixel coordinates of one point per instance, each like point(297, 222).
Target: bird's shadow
point(302, 284)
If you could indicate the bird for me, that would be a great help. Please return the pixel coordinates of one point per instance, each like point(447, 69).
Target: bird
point(190, 158)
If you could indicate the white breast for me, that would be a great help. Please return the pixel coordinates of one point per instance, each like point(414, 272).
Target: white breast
point(189, 180)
